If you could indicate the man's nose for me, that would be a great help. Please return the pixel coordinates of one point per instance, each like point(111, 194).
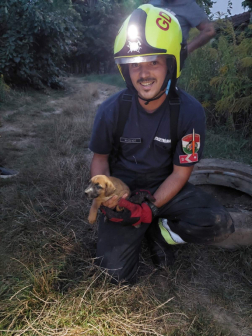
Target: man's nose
point(144, 71)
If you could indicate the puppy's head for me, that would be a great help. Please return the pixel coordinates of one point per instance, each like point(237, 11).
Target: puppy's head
point(99, 185)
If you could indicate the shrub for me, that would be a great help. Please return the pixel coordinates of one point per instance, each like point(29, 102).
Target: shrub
point(34, 38)
point(220, 77)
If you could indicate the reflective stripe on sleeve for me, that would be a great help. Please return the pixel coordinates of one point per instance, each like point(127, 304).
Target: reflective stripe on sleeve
point(169, 236)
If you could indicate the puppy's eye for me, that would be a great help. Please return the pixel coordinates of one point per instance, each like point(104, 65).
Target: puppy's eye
point(98, 186)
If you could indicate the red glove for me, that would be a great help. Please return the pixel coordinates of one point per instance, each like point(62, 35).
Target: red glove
point(133, 214)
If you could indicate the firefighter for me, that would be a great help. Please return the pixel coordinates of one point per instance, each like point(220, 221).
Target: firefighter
point(149, 150)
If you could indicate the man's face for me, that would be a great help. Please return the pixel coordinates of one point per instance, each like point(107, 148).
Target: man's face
point(148, 77)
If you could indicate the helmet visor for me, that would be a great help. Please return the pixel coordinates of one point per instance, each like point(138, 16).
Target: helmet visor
point(136, 59)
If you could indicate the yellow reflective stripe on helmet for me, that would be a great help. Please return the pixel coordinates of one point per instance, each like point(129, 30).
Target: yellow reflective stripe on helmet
point(120, 69)
point(169, 236)
point(121, 37)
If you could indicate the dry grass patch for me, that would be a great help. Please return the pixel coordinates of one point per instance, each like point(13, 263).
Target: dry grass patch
point(94, 307)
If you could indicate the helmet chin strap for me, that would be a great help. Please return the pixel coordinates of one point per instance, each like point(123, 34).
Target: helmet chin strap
point(149, 100)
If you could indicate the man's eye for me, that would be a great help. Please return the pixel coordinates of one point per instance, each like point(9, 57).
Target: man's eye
point(135, 65)
point(154, 63)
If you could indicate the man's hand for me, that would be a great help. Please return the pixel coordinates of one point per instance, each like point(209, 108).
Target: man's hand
point(133, 214)
point(113, 201)
point(140, 195)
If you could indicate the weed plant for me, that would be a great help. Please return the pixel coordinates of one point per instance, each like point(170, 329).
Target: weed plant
point(219, 76)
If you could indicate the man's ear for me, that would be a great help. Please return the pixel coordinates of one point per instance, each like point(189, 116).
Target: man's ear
point(110, 188)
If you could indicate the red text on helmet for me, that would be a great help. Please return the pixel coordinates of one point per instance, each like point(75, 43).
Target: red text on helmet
point(164, 25)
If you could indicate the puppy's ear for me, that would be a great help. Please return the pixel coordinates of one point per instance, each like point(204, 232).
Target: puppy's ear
point(110, 188)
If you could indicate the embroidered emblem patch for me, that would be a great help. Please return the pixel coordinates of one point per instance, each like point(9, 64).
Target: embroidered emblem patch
point(190, 146)
point(188, 158)
point(134, 46)
point(187, 143)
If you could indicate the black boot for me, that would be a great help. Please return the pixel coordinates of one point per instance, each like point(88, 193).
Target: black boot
point(162, 254)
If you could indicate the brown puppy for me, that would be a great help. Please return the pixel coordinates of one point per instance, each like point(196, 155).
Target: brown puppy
point(100, 189)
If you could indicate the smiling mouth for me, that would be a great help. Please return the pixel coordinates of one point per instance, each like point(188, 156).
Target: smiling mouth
point(147, 83)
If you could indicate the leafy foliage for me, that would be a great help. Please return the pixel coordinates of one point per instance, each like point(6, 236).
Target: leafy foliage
point(100, 21)
point(38, 36)
point(247, 3)
point(220, 76)
point(207, 4)
point(35, 37)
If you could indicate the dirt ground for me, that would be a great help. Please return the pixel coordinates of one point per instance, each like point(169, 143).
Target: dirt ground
point(207, 282)
point(232, 199)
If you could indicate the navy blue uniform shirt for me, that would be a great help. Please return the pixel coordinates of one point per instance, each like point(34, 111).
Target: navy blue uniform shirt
point(146, 141)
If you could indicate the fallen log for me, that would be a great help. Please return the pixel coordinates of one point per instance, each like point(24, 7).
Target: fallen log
point(223, 172)
point(243, 231)
point(234, 175)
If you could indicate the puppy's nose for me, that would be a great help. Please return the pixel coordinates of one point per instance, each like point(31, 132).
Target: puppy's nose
point(87, 191)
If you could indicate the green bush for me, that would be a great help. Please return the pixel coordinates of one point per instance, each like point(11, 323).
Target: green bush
point(100, 22)
point(220, 77)
point(34, 38)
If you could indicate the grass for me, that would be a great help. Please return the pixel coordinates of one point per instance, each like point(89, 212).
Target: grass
point(226, 145)
point(93, 307)
point(49, 284)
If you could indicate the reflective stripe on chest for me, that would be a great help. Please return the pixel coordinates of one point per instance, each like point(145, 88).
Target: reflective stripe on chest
point(162, 140)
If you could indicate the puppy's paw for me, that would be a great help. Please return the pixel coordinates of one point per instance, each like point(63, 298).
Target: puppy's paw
point(137, 226)
point(91, 219)
point(119, 208)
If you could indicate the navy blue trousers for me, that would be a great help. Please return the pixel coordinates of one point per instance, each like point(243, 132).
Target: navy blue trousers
point(192, 214)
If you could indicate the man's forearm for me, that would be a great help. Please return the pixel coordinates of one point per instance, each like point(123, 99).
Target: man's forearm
point(204, 36)
point(99, 165)
point(197, 42)
point(171, 186)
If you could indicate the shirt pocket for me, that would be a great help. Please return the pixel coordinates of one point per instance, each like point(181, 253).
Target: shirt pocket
point(130, 148)
point(162, 147)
